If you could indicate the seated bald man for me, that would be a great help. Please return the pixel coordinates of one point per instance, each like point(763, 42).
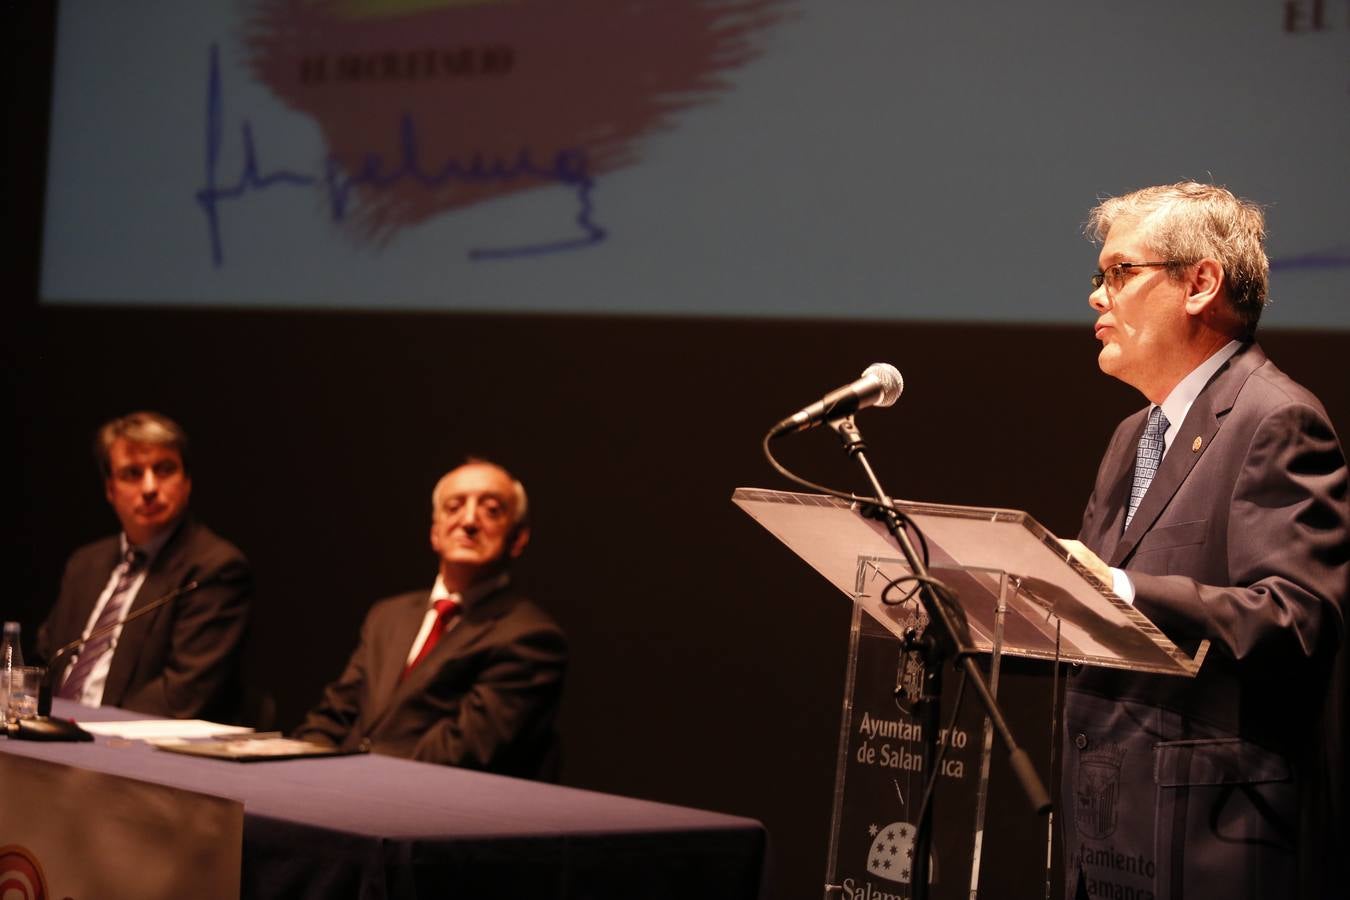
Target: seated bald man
point(468, 674)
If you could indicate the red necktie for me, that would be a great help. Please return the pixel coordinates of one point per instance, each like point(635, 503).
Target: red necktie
point(446, 610)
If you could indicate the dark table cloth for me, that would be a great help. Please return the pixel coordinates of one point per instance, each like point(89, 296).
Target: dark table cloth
point(373, 826)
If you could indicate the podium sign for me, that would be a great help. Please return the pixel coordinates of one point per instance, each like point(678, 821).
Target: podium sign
point(882, 770)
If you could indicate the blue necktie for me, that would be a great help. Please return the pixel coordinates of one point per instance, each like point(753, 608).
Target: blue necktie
point(1146, 458)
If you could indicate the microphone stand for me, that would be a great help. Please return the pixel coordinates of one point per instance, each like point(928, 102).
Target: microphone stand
point(934, 648)
point(44, 726)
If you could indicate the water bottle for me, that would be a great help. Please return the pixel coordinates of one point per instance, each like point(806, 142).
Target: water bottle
point(11, 655)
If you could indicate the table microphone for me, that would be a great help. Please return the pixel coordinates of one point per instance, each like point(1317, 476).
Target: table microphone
point(43, 726)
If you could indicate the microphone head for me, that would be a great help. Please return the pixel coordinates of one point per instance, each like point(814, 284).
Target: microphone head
point(891, 381)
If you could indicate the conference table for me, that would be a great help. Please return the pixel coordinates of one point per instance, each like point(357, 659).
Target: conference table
point(374, 826)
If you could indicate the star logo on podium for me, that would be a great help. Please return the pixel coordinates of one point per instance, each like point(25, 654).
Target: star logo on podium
point(891, 855)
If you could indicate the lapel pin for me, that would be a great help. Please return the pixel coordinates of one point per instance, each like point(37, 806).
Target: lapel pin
point(1195, 444)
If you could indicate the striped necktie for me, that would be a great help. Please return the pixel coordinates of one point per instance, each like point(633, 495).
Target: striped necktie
point(102, 634)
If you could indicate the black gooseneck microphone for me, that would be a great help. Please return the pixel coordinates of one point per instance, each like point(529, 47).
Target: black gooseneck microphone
point(880, 385)
point(43, 727)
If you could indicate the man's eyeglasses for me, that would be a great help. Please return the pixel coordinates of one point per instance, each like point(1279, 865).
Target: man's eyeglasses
point(1114, 276)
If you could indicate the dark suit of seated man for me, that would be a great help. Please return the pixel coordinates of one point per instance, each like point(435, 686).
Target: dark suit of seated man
point(182, 660)
point(468, 674)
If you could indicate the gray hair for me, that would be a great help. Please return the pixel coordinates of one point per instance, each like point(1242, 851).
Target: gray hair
point(142, 427)
point(522, 504)
point(1188, 222)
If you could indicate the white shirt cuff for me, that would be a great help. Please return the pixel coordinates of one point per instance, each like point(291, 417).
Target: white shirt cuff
point(1122, 586)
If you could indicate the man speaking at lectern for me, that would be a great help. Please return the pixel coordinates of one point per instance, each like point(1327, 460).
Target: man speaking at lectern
point(1220, 512)
point(468, 674)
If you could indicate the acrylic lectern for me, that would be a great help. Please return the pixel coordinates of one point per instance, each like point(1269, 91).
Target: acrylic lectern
point(1018, 593)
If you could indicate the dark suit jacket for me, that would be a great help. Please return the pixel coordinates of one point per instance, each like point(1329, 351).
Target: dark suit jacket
point(485, 697)
point(1241, 540)
point(182, 660)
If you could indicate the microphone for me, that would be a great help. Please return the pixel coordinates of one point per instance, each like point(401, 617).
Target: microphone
point(880, 385)
point(43, 726)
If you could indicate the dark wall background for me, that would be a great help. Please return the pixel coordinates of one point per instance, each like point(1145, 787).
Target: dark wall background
point(708, 662)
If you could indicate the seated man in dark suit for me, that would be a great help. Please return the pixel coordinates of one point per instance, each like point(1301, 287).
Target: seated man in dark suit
point(468, 674)
point(183, 659)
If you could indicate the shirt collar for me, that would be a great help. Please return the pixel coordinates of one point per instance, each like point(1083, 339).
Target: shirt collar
point(151, 547)
point(471, 596)
point(1178, 403)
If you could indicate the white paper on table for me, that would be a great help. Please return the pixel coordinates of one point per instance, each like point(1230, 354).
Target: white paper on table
point(162, 729)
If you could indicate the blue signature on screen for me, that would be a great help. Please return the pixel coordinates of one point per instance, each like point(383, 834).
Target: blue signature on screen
point(1330, 258)
point(567, 168)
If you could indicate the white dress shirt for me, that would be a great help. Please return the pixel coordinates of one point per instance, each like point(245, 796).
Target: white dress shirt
point(1175, 406)
point(440, 592)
